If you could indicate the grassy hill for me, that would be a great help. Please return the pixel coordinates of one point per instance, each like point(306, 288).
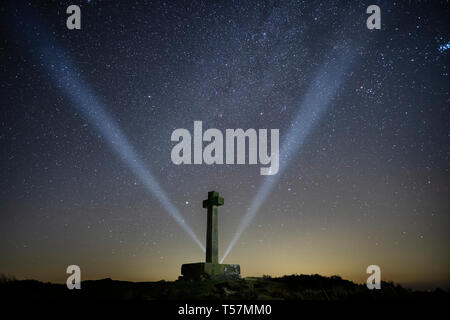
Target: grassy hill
point(293, 287)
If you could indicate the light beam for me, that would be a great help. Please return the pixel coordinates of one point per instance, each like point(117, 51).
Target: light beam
point(314, 104)
point(67, 78)
point(85, 100)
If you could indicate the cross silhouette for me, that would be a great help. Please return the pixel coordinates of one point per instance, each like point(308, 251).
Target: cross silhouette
point(212, 234)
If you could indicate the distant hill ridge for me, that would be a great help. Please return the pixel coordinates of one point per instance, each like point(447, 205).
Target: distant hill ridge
point(289, 287)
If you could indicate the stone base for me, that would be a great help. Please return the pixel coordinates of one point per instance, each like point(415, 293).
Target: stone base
point(207, 270)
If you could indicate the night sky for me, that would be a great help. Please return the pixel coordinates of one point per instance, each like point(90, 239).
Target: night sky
point(366, 181)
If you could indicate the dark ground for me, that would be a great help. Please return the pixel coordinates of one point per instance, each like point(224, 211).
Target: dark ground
point(294, 287)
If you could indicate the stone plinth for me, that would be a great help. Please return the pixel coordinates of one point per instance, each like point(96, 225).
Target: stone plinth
point(207, 270)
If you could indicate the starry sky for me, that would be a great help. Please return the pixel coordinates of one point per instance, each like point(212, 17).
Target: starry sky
point(369, 184)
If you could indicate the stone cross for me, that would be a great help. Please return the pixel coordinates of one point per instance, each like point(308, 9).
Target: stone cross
point(211, 268)
point(212, 233)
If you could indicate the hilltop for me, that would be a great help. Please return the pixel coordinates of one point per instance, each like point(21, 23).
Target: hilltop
point(292, 287)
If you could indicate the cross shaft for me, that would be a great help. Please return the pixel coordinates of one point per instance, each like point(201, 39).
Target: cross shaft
point(212, 232)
